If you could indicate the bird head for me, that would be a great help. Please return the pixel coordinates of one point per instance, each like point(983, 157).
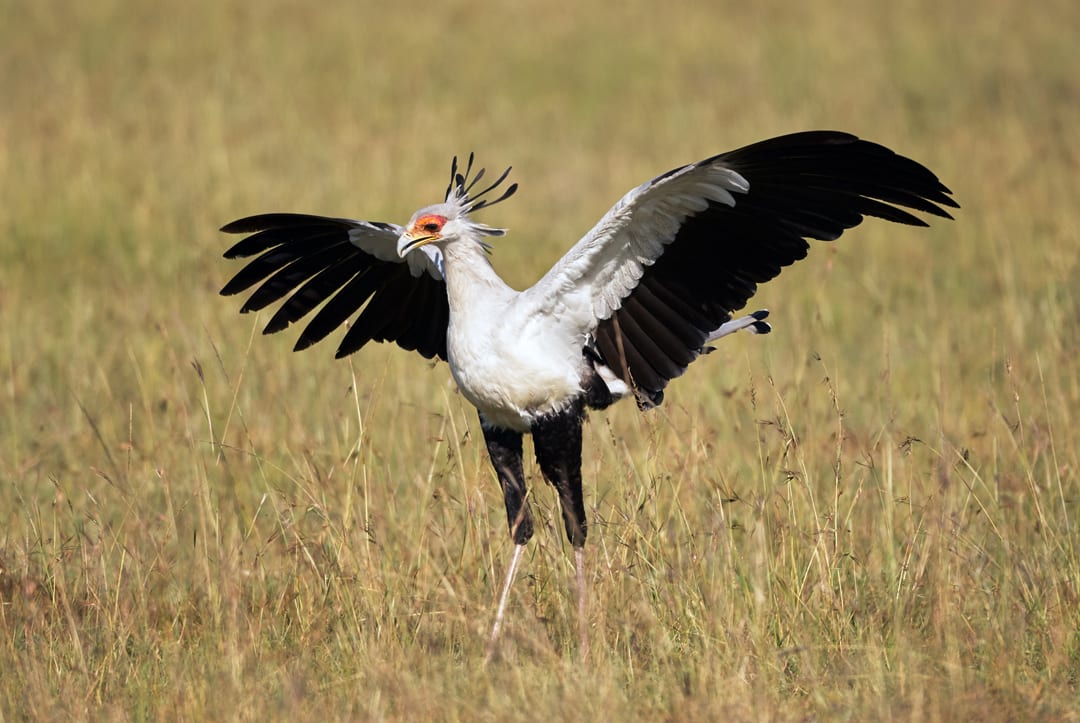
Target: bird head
point(451, 220)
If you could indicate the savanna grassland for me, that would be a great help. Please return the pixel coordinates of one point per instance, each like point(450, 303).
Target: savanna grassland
point(871, 514)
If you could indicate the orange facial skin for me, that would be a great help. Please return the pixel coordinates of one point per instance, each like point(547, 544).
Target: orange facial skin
point(429, 225)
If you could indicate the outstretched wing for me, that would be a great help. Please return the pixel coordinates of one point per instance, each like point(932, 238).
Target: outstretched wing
point(347, 264)
point(665, 268)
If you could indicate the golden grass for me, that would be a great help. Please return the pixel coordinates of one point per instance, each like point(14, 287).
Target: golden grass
point(870, 514)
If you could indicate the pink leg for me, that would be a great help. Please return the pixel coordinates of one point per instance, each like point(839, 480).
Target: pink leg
point(583, 623)
point(510, 574)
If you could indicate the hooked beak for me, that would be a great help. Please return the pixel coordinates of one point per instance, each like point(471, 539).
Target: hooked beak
point(407, 242)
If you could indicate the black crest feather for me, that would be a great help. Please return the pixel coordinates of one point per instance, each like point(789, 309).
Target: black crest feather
point(462, 186)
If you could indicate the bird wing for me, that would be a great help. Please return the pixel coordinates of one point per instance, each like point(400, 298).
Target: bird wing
point(347, 264)
point(669, 263)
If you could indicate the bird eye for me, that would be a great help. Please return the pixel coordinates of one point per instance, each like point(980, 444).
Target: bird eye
point(430, 223)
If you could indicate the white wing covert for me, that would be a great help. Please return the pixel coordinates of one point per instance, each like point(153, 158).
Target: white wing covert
point(608, 262)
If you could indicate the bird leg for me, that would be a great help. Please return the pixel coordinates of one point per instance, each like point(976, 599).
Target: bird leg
point(583, 626)
point(557, 441)
point(504, 448)
point(510, 574)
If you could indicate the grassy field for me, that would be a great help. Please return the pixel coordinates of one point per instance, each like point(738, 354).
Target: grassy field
point(870, 514)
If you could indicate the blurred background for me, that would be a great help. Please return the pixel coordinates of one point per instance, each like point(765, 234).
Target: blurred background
point(131, 131)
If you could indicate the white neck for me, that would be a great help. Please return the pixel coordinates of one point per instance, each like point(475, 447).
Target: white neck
point(471, 282)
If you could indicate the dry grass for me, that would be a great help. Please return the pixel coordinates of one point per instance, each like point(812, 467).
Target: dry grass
point(870, 514)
